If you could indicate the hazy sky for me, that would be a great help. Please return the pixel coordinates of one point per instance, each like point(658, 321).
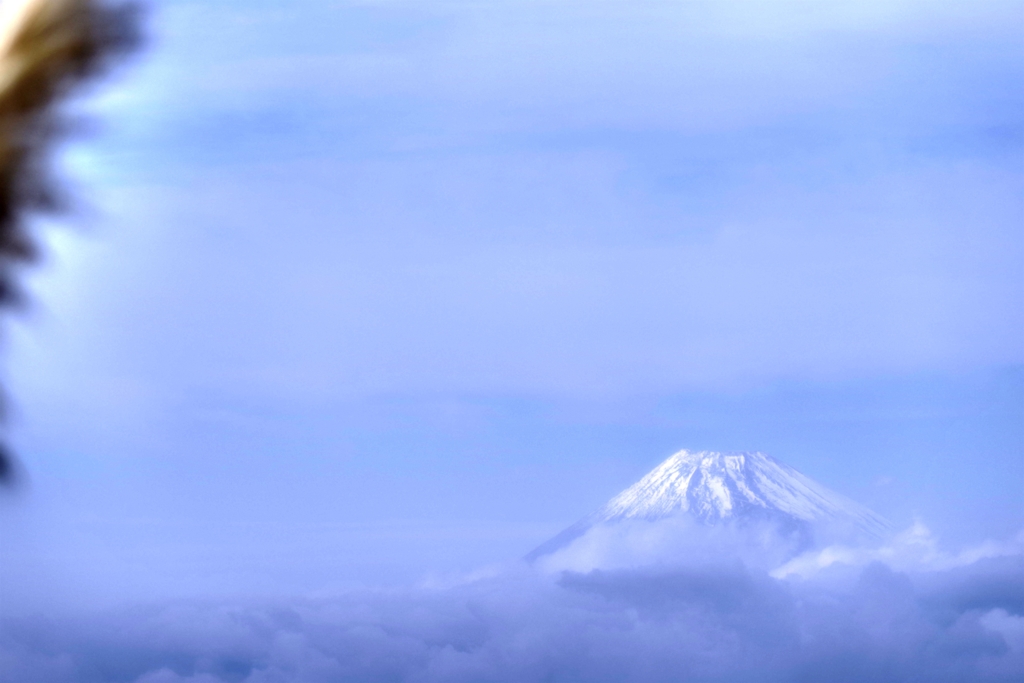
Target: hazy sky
point(366, 291)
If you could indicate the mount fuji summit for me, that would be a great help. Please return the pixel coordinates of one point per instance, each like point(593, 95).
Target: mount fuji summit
point(711, 490)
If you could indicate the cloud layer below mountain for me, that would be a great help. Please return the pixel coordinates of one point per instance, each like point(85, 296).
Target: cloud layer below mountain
point(892, 614)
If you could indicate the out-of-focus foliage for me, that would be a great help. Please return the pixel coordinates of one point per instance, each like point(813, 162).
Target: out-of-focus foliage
point(48, 49)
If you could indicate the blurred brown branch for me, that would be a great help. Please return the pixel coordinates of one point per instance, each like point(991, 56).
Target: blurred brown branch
point(48, 49)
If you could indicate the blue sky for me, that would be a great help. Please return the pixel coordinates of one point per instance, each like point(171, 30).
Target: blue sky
point(367, 291)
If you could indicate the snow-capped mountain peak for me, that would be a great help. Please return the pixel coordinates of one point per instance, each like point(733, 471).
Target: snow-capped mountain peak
point(715, 487)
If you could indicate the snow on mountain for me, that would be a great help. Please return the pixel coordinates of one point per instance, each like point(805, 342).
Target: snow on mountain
point(715, 488)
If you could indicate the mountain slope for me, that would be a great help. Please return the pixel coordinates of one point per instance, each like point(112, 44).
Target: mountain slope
point(725, 487)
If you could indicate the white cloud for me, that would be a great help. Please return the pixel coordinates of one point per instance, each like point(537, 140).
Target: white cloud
point(915, 549)
point(702, 622)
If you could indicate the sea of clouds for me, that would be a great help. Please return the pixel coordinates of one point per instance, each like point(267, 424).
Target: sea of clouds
point(905, 611)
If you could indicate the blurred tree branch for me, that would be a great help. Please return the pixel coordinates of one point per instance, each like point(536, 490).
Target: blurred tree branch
point(48, 50)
